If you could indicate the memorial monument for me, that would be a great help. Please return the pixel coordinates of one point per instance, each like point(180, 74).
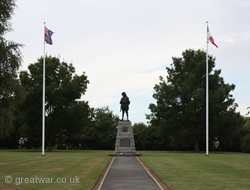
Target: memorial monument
point(125, 144)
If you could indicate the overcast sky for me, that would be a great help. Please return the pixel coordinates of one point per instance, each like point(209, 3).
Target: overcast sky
point(125, 45)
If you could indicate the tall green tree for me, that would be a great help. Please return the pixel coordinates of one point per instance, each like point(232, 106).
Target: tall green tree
point(10, 61)
point(63, 90)
point(180, 108)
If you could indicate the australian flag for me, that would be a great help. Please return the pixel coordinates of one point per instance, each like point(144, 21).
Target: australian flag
point(48, 33)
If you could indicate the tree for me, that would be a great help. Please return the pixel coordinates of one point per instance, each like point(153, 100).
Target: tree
point(245, 136)
point(141, 136)
point(63, 90)
point(75, 120)
point(181, 101)
point(10, 61)
point(149, 138)
point(104, 124)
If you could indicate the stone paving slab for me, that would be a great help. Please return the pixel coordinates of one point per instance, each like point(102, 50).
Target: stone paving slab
point(127, 173)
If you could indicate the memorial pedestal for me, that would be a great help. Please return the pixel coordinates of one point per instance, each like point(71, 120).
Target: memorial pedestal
point(125, 144)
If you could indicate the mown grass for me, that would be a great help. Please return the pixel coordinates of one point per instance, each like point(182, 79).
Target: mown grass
point(180, 170)
point(73, 166)
point(218, 171)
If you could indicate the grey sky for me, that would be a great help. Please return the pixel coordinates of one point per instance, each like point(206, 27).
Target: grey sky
point(125, 45)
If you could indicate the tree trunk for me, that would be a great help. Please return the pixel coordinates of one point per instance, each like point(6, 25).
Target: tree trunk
point(197, 146)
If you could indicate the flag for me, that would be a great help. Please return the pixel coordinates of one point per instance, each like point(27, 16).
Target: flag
point(210, 38)
point(48, 33)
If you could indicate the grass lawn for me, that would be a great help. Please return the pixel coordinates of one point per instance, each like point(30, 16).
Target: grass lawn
point(197, 171)
point(80, 169)
point(58, 169)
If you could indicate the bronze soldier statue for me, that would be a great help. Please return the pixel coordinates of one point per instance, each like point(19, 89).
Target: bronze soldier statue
point(124, 105)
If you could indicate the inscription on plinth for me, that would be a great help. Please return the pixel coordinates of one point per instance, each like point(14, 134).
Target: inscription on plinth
point(124, 142)
point(124, 129)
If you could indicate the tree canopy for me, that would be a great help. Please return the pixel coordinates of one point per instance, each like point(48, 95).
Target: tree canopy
point(181, 101)
point(10, 61)
point(62, 99)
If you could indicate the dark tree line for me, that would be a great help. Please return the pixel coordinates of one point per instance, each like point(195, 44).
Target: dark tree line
point(177, 118)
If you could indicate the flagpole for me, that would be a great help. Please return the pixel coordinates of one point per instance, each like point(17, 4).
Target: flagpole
point(207, 105)
point(43, 110)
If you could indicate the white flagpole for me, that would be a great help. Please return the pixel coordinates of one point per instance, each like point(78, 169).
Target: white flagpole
point(43, 114)
point(207, 104)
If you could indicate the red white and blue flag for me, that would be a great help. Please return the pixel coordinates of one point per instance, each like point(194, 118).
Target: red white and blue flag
point(48, 33)
point(210, 38)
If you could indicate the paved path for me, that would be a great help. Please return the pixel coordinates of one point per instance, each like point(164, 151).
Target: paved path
point(128, 173)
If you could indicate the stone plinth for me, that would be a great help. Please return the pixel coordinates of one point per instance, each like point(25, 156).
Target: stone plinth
point(125, 144)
